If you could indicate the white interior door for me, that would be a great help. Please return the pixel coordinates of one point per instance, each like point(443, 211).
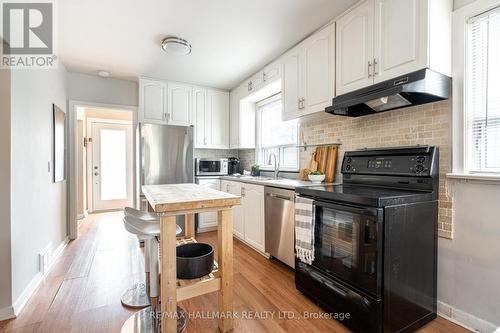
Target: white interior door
point(111, 165)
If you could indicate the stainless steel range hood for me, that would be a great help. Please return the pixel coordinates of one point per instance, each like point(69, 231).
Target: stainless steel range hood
point(420, 87)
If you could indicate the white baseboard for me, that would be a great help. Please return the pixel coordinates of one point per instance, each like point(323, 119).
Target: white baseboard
point(7, 313)
point(465, 319)
point(21, 301)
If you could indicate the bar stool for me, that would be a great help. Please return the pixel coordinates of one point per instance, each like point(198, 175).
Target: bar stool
point(146, 320)
point(137, 296)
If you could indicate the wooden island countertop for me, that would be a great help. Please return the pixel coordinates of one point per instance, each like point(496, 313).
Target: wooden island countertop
point(187, 199)
point(181, 197)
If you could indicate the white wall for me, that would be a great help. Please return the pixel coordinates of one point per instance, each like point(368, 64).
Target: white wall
point(38, 205)
point(460, 3)
point(469, 265)
point(95, 89)
point(5, 262)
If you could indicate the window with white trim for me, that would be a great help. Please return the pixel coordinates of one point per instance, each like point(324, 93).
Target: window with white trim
point(482, 89)
point(276, 136)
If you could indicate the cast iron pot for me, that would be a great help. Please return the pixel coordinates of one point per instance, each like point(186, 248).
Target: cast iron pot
point(194, 260)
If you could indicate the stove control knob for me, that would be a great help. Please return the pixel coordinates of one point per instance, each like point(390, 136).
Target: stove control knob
point(419, 168)
point(348, 167)
point(420, 159)
point(349, 160)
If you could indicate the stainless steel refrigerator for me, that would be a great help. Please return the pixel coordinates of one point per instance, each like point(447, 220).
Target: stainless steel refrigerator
point(165, 157)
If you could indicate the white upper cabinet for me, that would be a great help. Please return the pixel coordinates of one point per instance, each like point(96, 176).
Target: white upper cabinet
point(152, 101)
point(382, 39)
point(179, 104)
point(217, 119)
point(309, 75)
point(199, 105)
point(400, 37)
point(354, 51)
point(234, 117)
point(272, 72)
point(211, 113)
point(173, 103)
point(319, 70)
point(292, 84)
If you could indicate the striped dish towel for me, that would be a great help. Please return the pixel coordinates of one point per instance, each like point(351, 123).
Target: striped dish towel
point(304, 229)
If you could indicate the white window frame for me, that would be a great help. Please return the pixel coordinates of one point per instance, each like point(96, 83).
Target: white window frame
point(460, 30)
point(258, 144)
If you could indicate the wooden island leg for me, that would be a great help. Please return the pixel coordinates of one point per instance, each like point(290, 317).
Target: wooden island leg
point(189, 226)
point(225, 258)
point(168, 275)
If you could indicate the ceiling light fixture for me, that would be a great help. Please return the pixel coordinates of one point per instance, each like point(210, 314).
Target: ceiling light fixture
point(175, 45)
point(103, 73)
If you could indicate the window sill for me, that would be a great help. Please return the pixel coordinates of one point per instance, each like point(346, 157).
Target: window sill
point(468, 176)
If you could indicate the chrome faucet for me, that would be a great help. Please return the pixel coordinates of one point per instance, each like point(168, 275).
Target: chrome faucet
point(276, 164)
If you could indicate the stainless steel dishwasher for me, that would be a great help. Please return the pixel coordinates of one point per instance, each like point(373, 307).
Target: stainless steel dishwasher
point(280, 217)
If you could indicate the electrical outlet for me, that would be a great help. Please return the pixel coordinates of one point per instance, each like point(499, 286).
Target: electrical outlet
point(44, 258)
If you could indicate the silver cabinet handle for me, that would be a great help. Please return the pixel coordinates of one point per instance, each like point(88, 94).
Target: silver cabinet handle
point(279, 196)
point(375, 63)
point(96, 173)
point(264, 77)
point(369, 68)
point(227, 187)
point(250, 85)
point(303, 102)
point(242, 191)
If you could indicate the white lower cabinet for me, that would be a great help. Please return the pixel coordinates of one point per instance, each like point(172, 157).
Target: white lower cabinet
point(238, 225)
point(248, 219)
point(208, 221)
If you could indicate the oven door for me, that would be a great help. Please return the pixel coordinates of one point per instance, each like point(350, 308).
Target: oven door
point(348, 244)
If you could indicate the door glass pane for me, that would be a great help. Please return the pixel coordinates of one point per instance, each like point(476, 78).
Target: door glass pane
point(346, 246)
point(113, 164)
point(340, 237)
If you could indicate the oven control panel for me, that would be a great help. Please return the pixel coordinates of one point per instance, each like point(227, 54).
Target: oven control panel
point(388, 164)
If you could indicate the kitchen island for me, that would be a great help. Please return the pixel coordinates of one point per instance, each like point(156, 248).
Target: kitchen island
point(168, 201)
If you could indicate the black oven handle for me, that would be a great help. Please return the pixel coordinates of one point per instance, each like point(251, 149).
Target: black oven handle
point(351, 209)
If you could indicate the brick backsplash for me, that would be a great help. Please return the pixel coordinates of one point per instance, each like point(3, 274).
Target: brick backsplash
point(247, 158)
point(215, 153)
point(428, 124)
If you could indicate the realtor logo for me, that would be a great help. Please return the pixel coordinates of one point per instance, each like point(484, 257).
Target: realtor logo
point(28, 34)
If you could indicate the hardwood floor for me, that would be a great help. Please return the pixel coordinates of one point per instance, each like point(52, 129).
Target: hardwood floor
point(82, 292)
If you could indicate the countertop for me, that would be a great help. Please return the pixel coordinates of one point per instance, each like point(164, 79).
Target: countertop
point(179, 197)
point(286, 183)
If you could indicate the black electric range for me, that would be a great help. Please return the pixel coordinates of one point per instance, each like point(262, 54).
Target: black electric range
point(375, 249)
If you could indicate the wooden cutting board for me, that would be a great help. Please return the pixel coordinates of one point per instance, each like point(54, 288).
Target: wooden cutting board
point(327, 161)
point(311, 166)
point(323, 159)
point(331, 164)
